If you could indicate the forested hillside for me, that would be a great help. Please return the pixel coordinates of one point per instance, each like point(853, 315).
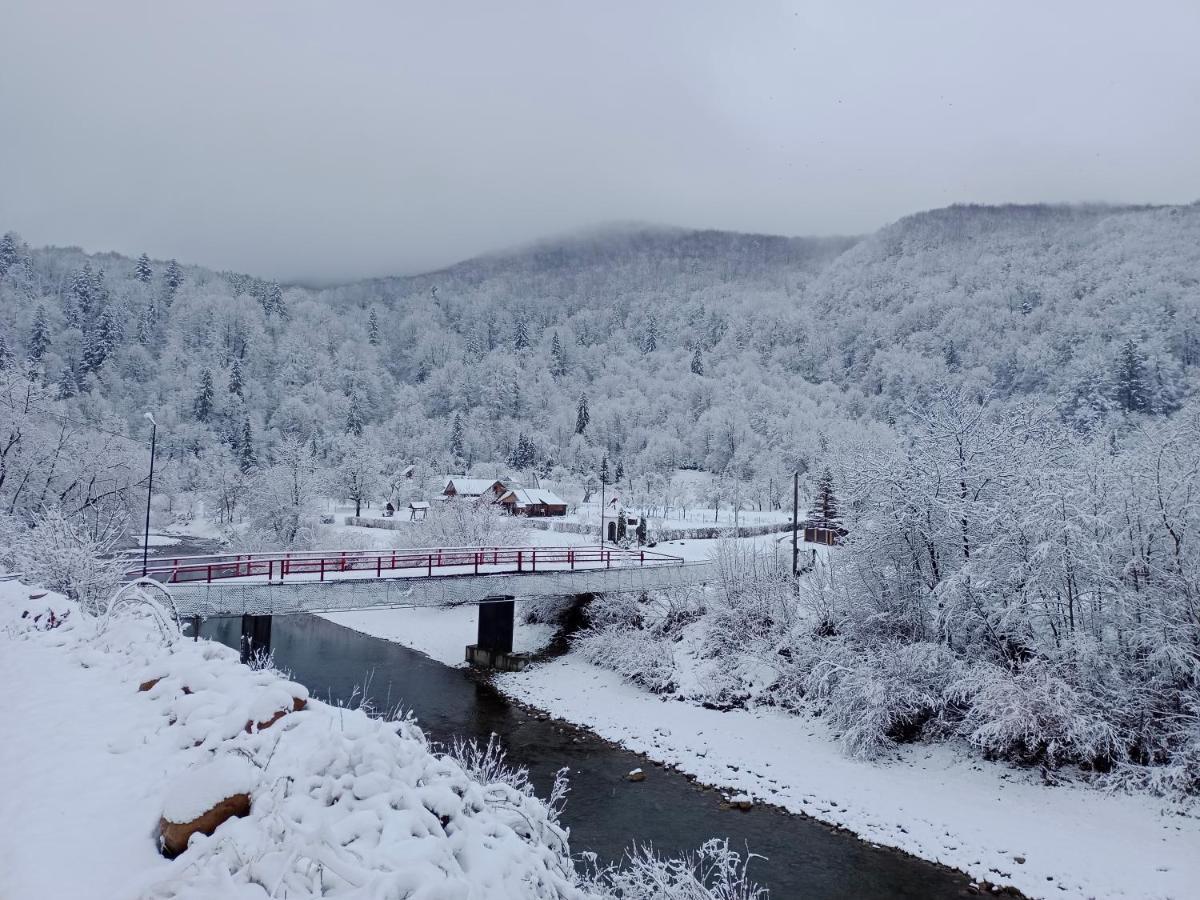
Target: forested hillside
point(736, 354)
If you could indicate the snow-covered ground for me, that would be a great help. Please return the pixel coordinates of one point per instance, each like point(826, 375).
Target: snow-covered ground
point(441, 634)
point(342, 804)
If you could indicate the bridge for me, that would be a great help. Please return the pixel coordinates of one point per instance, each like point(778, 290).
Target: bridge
point(259, 586)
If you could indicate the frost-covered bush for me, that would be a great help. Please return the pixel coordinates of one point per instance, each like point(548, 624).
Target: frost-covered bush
point(464, 522)
point(879, 696)
point(546, 610)
point(714, 872)
point(68, 555)
point(1034, 715)
point(641, 655)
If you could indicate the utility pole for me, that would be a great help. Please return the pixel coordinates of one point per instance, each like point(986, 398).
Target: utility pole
point(601, 511)
point(149, 493)
point(795, 523)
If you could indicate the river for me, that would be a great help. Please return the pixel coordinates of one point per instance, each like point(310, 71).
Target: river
point(605, 812)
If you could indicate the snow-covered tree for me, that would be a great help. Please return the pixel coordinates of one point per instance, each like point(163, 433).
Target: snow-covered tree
point(582, 415)
point(144, 272)
point(202, 405)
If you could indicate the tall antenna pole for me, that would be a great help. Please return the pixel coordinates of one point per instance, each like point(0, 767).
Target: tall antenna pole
point(149, 494)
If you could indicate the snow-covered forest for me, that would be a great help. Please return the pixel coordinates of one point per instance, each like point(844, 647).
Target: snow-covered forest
point(1004, 399)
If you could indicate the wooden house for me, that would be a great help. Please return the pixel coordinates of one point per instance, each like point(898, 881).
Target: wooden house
point(533, 502)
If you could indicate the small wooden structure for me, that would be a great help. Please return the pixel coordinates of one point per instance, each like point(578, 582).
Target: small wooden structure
point(417, 510)
point(818, 531)
point(474, 488)
point(533, 502)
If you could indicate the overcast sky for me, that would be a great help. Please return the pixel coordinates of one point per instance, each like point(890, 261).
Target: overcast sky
point(329, 140)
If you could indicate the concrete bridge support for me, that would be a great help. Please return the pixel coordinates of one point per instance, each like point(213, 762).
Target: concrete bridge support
point(256, 636)
point(493, 646)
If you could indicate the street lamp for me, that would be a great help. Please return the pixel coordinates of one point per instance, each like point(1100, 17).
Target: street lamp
point(795, 523)
point(149, 492)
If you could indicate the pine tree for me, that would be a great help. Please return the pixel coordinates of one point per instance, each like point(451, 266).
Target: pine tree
point(825, 510)
point(5, 353)
point(650, 338)
point(472, 345)
point(520, 334)
point(102, 340)
point(354, 416)
point(236, 381)
point(39, 337)
point(558, 361)
point(245, 448)
point(145, 325)
point(68, 384)
point(604, 474)
point(582, 417)
point(173, 277)
point(202, 406)
point(1132, 395)
point(144, 272)
point(373, 328)
point(9, 250)
point(456, 437)
point(618, 472)
point(81, 292)
point(697, 362)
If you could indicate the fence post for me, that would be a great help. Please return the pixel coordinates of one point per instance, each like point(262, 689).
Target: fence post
point(378, 566)
point(210, 572)
point(322, 568)
point(519, 561)
point(429, 565)
point(643, 557)
point(477, 555)
point(533, 568)
point(571, 559)
point(608, 559)
point(270, 570)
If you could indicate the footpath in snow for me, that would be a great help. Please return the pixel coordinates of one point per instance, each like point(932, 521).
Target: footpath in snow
point(937, 801)
point(104, 733)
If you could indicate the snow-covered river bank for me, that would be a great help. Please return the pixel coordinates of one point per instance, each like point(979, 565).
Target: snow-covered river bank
point(936, 801)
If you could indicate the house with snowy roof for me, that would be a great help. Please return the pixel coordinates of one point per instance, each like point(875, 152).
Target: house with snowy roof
point(473, 488)
point(533, 502)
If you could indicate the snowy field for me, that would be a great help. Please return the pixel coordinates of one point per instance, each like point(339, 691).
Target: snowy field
point(341, 804)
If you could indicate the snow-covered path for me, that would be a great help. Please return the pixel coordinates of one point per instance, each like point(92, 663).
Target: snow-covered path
point(936, 801)
point(85, 765)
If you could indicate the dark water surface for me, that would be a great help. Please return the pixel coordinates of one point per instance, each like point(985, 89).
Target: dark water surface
point(605, 813)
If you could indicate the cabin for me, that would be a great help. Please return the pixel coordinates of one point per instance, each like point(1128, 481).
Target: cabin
point(474, 488)
point(417, 510)
point(819, 531)
point(533, 502)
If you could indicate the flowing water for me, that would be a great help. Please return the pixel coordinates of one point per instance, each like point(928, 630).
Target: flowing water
point(605, 812)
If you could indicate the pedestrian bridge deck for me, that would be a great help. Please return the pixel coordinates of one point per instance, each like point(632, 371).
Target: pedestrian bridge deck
point(330, 581)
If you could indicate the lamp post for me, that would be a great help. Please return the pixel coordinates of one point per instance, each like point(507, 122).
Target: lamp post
point(149, 493)
point(795, 523)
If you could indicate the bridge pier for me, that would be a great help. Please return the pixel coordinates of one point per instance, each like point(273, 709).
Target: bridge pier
point(493, 646)
point(256, 636)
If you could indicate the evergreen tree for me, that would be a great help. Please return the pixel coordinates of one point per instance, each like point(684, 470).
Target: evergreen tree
point(1132, 395)
point(236, 380)
point(145, 325)
point(245, 448)
point(373, 328)
point(456, 437)
point(618, 472)
point(39, 337)
point(102, 340)
point(354, 416)
point(173, 277)
point(650, 338)
point(472, 347)
point(558, 361)
point(144, 272)
point(950, 355)
point(68, 384)
point(582, 417)
point(520, 333)
point(825, 509)
point(697, 362)
point(9, 250)
point(604, 473)
point(202, 406)
point(81, 293)
point(5, 352)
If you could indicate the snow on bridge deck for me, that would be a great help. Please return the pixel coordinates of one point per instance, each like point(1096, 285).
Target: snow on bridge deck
point(331, 581)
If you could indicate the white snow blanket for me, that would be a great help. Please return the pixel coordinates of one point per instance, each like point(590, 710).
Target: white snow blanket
point(342, 804)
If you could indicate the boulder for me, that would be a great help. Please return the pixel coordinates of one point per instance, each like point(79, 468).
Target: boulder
point(298, 703)
point(175, 835)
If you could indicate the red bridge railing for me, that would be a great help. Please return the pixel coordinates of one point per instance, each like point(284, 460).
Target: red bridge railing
point(444, 561)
